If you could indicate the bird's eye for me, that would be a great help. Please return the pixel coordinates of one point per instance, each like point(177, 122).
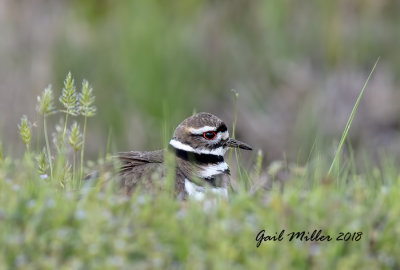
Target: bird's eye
point(209, 135)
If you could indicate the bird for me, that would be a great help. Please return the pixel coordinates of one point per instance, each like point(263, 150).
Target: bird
point(198, 145)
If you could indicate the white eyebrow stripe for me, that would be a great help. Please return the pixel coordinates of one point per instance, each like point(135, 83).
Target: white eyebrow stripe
point(220, 151)
point(201, 130)
point(214, 169)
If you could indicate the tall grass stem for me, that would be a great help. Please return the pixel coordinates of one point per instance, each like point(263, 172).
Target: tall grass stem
point(82, 150)
point(48, 147)
point(350, 120)
point(64, 132)
point(235, 112)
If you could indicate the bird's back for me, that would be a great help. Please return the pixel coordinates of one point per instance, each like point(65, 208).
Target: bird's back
point(141, 168)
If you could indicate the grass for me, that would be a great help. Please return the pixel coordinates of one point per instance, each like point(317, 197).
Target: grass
point(48, 223)
point(351, 118)
point(44, 227)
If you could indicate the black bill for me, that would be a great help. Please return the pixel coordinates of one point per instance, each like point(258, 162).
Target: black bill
point(238, 144)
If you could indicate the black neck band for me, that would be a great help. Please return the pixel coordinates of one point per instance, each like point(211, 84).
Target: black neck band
point(195, 157)
point(211, 181)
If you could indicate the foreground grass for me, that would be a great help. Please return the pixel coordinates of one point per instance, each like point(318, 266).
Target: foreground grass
point(44, 226)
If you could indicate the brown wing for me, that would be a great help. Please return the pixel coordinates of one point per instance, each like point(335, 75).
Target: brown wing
point(136, 158)
point(137, 166)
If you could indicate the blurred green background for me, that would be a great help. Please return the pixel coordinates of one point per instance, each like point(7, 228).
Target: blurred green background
point(298, 67)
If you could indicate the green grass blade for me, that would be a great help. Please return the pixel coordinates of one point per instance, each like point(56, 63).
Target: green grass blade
point(353, 112)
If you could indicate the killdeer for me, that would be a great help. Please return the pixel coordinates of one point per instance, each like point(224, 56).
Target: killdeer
point(199, 144)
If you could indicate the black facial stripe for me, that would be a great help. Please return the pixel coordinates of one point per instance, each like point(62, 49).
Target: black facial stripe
point(199, 158)
point(221, 128)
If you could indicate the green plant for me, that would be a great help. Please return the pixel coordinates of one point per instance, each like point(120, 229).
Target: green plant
point(73, 105)
point(25, 132)
point(69, 100)
point(87, 109)
point(45, 107)
point(75, 141)
point(42, 164)
point(350, 120)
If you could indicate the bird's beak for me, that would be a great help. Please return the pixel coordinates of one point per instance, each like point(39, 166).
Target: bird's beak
point(238, 144)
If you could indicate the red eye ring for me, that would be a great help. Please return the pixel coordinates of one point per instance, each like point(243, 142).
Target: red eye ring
point(209, 135)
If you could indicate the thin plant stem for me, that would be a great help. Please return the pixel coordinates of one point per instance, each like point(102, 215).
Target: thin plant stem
point(237, 163)
point(62, 155)
point(236, 96)
point(83, 149)
point(73, 169)
point(65, 131)
point(353, 113)
point(48, 146)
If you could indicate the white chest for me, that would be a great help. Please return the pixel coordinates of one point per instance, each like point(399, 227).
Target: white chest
point(198, 192)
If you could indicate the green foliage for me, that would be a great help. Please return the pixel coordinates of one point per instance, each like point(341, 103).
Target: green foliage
point(75, 137)
point(45, 107)
point(25, 131)
point(42, 163)
point(45, 102)
point(69, 97)
point(93, 229)
point(74, 105)
point(87, 109)
point(75, 140)
point(86, 100)
point(66, 175)
point(350, 120)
